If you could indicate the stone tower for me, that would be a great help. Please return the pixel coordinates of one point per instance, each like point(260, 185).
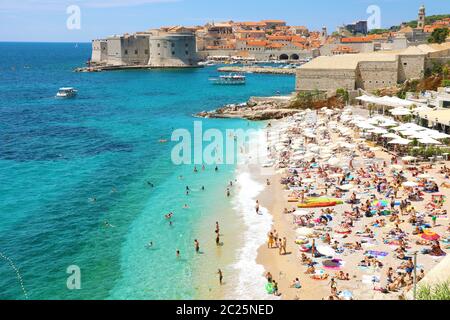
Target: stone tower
point(421, 19)
point(324, 34)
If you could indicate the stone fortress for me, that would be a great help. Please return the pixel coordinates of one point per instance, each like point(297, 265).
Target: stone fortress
point(162, 48)
point(372, 70)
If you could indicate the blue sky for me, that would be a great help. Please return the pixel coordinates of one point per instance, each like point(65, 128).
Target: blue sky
point(45, 20)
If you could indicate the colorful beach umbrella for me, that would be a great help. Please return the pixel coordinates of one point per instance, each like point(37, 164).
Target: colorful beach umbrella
point(430, 235)
point(380, 203)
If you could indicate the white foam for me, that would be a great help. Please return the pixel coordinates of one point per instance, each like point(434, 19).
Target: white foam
point(250, 283)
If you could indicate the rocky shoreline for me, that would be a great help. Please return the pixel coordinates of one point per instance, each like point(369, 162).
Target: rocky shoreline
point(256, 109)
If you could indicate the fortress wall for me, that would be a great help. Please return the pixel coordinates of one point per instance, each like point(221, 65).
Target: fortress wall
point(172, 50)
point(372, 75)
point(115, 51)
point(325, 80)
point(411, 67)
point(99, 51)
point(135, 50)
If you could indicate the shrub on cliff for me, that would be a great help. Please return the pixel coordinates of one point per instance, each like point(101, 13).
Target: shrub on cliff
point(440, 291)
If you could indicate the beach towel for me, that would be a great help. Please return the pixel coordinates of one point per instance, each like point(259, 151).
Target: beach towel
point(380, 254)
point(370, 279)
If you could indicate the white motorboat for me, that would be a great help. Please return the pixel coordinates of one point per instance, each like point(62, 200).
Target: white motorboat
point(66, 92)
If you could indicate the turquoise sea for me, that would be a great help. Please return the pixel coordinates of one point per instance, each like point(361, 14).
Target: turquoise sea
point(57, 155)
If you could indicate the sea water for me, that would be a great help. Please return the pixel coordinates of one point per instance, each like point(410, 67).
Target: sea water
point(75, 174)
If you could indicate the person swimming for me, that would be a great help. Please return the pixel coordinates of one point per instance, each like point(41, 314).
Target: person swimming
point(150, 184)
point(108, 225)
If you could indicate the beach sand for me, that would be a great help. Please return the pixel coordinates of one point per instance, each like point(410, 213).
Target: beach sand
point(285, 268)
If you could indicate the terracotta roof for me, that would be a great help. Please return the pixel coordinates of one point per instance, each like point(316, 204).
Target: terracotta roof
point(259, 24)
point(299, 45)
point(250, 31)
point(344, 49)
point(298, 39)
point(274, 21)
point(275, 45)
point(279, 38)
point(257, 43)
point(356, 40)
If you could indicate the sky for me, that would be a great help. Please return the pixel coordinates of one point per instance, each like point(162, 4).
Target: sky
point(57, 20)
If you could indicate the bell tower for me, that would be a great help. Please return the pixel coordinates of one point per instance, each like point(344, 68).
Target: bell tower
point(421, 19)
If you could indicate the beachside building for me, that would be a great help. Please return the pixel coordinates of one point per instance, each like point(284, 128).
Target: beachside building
point(369, 71)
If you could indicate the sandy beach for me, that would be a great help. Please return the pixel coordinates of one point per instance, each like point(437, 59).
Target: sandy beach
point(364, 282)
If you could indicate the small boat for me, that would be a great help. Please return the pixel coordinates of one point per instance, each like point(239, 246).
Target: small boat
point(66, 93)
point(231, 79)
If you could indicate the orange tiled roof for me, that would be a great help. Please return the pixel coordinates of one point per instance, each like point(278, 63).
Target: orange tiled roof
point(356, 40)
point(344, 49)
point(298, 39)
point(250, 31)
point(299, 45)
point(251, 24)
point(279, 38)
point(275, 45)
point(257, 43)
point(274, 21)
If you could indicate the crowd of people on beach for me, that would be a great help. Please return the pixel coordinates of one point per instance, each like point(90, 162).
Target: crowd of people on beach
point(358, 206)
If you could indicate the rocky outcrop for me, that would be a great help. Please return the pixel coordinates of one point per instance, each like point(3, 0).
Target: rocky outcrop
point(256, 109)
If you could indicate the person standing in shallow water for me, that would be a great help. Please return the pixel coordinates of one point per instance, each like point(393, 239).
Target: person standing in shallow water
point(220, 276)
point(197, 246)
point(217, 227)
point(217, 239)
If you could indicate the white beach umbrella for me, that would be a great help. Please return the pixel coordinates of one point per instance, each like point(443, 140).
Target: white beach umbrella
point(397, 167)
point(429, 141)
point(346, 187)
point(308, 180)
point(410, 184)
point(378, 131)
point(409, 158)
point(424, 176)
point(400, 142)
point(303, 231)
point(391, 136)
point(334, 162)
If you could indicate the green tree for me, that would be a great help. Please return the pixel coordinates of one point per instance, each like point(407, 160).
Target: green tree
point(439, 35)
point(343, 94)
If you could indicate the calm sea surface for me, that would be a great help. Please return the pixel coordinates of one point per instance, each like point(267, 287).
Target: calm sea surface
point(57, 155)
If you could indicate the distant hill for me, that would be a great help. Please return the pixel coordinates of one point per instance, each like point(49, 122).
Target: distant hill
point(428, 20)
point(412, 24)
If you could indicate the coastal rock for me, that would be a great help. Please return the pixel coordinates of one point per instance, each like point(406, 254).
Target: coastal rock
point(256, 109)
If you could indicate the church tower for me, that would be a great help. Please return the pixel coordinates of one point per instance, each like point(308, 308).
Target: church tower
point(324, 33)
point(421, 19)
